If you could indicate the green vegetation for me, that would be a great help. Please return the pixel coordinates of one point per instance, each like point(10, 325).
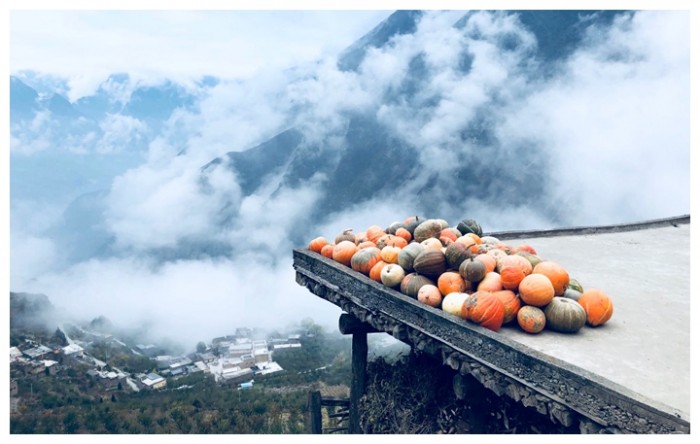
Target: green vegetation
point(70, 402)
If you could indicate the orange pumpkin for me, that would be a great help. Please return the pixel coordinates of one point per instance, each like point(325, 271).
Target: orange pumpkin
point(365, 244)
point(449, 233)
point(430, 295)
point(488, 260)
point(467, 241)
point(556, 273)
point(511, 276)
point(343, 252)
point(327, 250)
point(404, 233)
point(490, 282)
point(364, 259)
point(526, 248)
point(511, 303)
point(391, 240)
point(374, 233)
point(391, 254)
point(598, 307)
point(476, 238)
point(376, 272)
point(536, 289)
point(451, 282)
point(515, 260)
point(485, 309)
point(317, 244)
point(531, 319)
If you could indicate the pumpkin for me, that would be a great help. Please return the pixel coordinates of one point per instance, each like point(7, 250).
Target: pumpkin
point(391, 275)
point(469, 226)
point(514, 260)
point(374, 233)
point(511, 276)
point(391, 240)
point(455, 254)
point(533, 259)
point(449, 233)
point(484, 309)
point(453, 303)
point(364, 259)
point(497, 254)
point(511, 304)
point(365, 244)
point(489, 240)
point(391, 229)
point(375, 272)
point(432, 242)
point(575, 285)
point(565, 315)
point(490, 282)
point(347, 235)
point(317, 244)
point(536, 289)
point(488, 260)
point(472, 270)
point(467, 241)
point(361, 237)
point(408, 255)
point(430, 295)
point(430, 262)
point(451, 282)
point(570, 293)
point(411, 222)
point(327, 250)
point(556, 273)
point(597, 305)
point(531, 319)
point(404, 233)
point(526, 248)
point(344, 251)
point(391, 254)
point(427, 229)
point(412, 282)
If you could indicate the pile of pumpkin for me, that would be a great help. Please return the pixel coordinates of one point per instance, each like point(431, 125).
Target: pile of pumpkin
point(467, 274)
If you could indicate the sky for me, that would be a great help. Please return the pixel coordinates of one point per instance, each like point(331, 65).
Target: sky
point(157, 203)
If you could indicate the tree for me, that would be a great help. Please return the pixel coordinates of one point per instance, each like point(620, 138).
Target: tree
point(201, 347)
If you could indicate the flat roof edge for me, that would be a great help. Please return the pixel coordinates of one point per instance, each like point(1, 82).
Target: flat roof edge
point(572, 231)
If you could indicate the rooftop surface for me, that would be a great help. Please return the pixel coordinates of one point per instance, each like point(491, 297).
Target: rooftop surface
point(645, 346)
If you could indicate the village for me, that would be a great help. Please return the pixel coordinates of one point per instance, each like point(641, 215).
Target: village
point(236, 359)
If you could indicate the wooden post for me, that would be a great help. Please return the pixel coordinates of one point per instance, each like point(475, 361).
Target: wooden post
point(315, 420)
point(359, 373)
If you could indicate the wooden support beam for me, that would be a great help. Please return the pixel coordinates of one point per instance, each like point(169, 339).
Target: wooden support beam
point(359, 376)
point(349, 324)
point(314, 406)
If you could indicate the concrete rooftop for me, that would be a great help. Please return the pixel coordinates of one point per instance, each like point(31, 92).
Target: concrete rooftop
point(645, 347)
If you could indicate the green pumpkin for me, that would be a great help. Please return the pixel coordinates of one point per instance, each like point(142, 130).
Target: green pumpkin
point(469, 226)
point(430, 262)
point(408, 255)
point(455, 254)
point(575, 285)
point(565, 315)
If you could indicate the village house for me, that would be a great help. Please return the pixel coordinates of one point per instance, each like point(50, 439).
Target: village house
point(38, 352)
point(73, 353)
point(151, 381)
